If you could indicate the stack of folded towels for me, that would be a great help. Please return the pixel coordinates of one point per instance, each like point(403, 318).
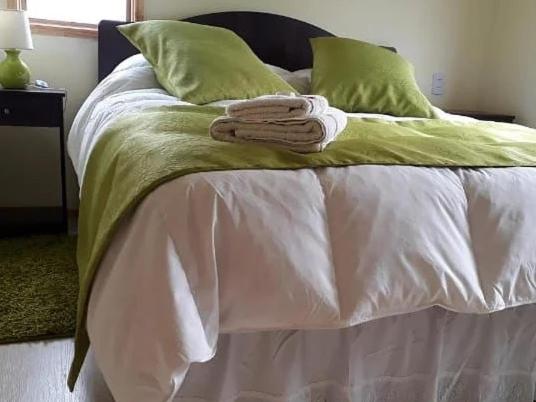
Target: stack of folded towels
point(300, 123)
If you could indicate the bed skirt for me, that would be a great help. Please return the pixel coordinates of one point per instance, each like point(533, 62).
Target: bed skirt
point(432, 355)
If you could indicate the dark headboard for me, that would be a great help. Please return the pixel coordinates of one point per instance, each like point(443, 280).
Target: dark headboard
point(275, 39)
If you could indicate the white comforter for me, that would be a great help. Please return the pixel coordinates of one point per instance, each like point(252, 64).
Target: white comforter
point(315, 248)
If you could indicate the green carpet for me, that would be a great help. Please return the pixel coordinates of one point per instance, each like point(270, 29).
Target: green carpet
point(38, 288)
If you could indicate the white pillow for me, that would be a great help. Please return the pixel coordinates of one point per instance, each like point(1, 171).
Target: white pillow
point(300, 80)
point(136, 61)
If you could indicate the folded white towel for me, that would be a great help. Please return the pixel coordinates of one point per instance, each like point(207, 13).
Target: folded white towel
point(276, 107)
point(304, 135)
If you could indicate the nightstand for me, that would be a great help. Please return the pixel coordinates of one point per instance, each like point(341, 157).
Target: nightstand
point(499, 117)
point(35, 108)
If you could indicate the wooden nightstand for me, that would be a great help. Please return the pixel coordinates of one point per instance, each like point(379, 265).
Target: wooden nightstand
point(35, 108)
point(502, 118)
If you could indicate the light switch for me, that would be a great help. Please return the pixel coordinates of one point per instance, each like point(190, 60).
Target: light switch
point(438, 84)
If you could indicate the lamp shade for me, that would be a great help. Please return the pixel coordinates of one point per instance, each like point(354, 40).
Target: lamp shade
point(15, 30)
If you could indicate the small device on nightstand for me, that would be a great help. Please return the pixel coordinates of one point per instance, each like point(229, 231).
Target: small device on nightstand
point(35, 108)
point(41, 84)
point(486, 116)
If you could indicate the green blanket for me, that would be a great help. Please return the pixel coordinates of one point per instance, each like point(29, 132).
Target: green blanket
point(146, 149)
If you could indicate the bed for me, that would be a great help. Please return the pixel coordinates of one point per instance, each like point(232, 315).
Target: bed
point(217, 289)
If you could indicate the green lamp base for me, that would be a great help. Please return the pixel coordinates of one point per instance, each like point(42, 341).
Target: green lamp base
point(14, 73)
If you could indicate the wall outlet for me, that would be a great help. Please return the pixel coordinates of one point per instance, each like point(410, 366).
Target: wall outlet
point(438, 84)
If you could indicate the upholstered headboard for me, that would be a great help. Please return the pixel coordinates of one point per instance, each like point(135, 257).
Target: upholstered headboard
point(275, 39)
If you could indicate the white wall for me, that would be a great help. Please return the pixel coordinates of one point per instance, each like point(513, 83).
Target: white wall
point(510, 67)
point(436, 35)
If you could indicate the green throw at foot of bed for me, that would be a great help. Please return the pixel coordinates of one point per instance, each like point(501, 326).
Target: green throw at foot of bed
point(38, 288)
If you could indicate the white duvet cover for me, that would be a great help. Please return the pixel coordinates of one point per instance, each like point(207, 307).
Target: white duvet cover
point(241, 251)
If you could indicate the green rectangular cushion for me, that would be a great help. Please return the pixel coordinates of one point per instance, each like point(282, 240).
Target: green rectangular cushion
point(358, 77)
point(202, 64)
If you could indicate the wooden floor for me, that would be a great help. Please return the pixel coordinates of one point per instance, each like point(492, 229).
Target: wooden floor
point(37, 372)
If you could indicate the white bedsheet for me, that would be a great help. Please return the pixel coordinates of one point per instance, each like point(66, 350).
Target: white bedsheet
point(258, 250)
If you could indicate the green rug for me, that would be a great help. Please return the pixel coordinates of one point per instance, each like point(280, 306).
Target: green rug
point(38, 288)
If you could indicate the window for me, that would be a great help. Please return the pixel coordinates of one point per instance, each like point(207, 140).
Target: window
point(76, 17)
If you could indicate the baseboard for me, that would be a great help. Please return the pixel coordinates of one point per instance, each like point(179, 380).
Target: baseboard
point(16, 221)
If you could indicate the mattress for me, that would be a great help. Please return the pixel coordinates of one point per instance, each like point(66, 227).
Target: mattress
point(324, 249)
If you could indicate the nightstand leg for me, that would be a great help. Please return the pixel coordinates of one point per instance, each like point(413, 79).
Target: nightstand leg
point(65, 223)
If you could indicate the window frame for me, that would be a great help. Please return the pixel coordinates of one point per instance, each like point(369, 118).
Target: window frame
point(74, 29)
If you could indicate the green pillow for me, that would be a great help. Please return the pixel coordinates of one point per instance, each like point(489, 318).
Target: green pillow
point(359, 77)
point(202, 64)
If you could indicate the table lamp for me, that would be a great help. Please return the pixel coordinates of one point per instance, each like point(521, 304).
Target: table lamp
point(14, 36)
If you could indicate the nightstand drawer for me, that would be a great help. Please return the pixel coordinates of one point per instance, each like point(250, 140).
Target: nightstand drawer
point(37, 110)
